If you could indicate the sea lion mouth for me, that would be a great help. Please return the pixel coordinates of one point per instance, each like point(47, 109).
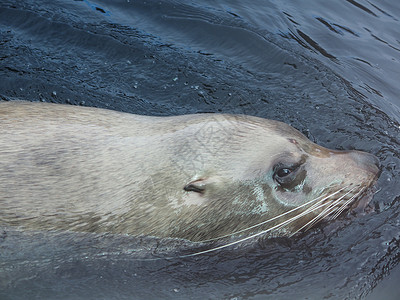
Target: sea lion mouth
point(360, 205)
point(352, 198)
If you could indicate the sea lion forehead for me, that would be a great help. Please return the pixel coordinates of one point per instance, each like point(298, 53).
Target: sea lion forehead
point(312, 149)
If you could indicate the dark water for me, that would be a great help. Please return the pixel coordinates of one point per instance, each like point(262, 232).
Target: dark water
point(329, 68)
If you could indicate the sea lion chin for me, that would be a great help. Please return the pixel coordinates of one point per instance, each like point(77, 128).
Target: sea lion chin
point(197, 177)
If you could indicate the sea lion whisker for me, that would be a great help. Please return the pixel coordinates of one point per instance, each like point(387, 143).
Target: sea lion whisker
point(315, 219)
point(251, 236)
point(243, 239)
point(336, 210)
point(259, 233)
point(323, 198)
point(328, 210)
point(308, 210)
point(305, 213)
point(317, 205)
point(339, 209)
point(333, 206)
point(343, 207)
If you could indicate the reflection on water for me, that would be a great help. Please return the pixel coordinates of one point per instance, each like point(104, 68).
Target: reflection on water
point(330, 70)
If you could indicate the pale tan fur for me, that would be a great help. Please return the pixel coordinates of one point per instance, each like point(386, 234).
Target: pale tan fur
point(87, 169)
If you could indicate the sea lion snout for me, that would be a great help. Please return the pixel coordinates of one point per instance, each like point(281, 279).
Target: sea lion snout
point(366, 161)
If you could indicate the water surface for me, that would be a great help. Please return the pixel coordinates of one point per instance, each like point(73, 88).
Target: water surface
point(330, 69)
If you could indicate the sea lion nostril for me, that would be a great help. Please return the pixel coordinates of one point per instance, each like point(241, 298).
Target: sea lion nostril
point(376, 161)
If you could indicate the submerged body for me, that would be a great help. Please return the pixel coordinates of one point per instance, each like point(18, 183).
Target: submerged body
point(197, 177)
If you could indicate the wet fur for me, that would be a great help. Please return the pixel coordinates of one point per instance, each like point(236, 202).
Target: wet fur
point(87, 169)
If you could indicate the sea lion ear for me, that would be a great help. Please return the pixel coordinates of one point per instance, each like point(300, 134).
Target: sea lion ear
point(198, 186)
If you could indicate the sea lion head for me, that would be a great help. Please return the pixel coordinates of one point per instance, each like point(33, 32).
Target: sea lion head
point(276, 180)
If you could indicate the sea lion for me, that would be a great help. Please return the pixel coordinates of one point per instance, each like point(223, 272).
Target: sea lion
point(197, 177)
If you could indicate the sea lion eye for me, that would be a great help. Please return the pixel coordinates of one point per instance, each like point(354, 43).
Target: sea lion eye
point(283, 175)
point(286, 173)
point(283, 172)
